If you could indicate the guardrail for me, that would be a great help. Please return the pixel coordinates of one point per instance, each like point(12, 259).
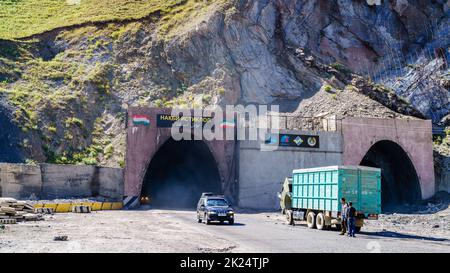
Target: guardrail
point(299, 123)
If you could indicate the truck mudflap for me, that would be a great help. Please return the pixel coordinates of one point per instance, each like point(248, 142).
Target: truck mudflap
point(335, 221)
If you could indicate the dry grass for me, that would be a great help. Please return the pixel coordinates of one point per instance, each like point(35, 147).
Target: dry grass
point(22, 18)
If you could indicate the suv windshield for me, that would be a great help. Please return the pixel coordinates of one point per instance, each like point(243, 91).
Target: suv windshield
point(217, 203)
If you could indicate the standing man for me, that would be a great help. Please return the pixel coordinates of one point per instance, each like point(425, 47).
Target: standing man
point(351, 220)
point(343, 216)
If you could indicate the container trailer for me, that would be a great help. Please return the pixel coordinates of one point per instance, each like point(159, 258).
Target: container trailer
point(316, 195)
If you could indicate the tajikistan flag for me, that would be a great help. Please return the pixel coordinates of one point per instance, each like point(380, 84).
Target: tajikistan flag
point(227, 124)
point(141, 120)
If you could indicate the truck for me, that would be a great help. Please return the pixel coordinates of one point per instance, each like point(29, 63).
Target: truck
point(316, 195)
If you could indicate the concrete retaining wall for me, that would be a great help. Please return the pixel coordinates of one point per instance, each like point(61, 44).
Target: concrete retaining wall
point(443, 184)
point(443, 174)
point(49, 181)
point(111, 183)
point(20, 181)
point(67, 181)
point(261, 173)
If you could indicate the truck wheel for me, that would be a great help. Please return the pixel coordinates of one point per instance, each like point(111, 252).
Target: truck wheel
point(199, 220)
point(311, 220)
point(357, 229)
point(289, 217)
point(320, 221)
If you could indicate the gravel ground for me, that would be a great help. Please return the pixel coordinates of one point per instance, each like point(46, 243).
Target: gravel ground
point(108, 231)
point(178, 231)
point(424, 228)
point(430, 219)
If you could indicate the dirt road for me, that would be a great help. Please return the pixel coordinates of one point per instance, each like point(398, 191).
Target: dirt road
point(178, 231)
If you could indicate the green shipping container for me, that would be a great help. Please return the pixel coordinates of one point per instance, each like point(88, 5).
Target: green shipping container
point(323, 188)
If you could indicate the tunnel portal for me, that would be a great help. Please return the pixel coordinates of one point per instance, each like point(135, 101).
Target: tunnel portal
point(178, 174)
point(164, 170)
point(399, 181)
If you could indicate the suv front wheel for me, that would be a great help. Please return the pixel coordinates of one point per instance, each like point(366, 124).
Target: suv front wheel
point(207, 221)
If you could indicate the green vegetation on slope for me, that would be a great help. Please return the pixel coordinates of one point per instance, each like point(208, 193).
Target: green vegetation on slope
point(69, 104)
point(22, 18)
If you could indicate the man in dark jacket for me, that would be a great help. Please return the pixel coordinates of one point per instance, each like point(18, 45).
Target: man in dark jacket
point(351, 219)
point(343, 216)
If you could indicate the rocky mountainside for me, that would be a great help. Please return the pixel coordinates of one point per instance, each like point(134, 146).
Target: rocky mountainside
point(67, 83)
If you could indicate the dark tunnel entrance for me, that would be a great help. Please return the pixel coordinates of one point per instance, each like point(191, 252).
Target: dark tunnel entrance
point(399, 182)
point(178, 174)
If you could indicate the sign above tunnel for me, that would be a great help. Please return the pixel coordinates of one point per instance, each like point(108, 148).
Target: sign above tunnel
point(290, 140)
point(167, 121)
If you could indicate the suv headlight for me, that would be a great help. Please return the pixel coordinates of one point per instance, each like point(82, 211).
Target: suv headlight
point(231, 212)
point(212, 212)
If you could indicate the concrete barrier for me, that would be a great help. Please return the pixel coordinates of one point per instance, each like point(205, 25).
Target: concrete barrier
point(68, 181)
point(50, 181)
point(443, 175)
point(68, 207)
point(20, 181)
point(111, 183)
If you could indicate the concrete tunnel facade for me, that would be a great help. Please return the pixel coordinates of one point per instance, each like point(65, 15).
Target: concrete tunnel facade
point(143, 142)
point(251, 177)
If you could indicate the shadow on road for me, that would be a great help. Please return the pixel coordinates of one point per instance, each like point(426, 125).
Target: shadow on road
point(387, 234)
point(391, 234)
point(226, 224)
point(175, 210)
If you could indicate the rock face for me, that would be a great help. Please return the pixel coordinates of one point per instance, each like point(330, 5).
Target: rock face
point(73, 84)
point(9, 137)
point(442, 167)
point(259, 40)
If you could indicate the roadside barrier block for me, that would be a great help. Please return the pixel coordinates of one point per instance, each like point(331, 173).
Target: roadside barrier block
point(107, 206)
point(117, 206)
point(63, 208)
point(44, 210)
point(51, 206)
point(68, 207)
point(96, 206)
point(81, 209)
